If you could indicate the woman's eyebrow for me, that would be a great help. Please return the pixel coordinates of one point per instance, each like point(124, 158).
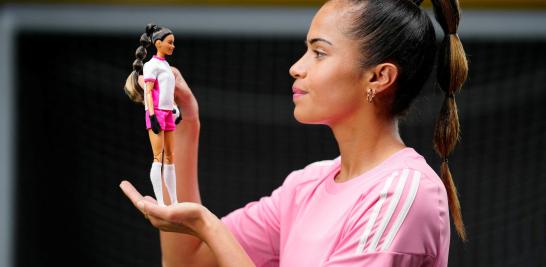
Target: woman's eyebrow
point(314, 40)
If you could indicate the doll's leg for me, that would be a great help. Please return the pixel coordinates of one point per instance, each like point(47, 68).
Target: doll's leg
point(169, 170)
point(155, 173)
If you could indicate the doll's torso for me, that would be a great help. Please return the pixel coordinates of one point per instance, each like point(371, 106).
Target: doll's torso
point(158, 70)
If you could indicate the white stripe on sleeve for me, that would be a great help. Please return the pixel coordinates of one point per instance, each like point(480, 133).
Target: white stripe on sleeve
point(375, 212)
point(403, 211)
point(390, 210)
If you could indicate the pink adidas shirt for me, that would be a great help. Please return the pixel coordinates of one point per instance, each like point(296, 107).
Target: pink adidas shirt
point(393, 215)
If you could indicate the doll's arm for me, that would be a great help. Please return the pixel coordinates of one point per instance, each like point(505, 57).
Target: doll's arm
point(156, 128)
point(148, 97)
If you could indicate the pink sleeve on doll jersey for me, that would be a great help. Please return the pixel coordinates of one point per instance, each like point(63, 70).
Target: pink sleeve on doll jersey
point(150, 74)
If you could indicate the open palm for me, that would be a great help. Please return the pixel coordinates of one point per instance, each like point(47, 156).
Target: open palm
point(185, 217)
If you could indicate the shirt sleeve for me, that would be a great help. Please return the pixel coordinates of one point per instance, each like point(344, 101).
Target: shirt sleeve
point(399, 224)
point(149, 72)
point(257, 227)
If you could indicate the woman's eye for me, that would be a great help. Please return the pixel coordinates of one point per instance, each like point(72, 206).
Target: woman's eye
point(319, 54)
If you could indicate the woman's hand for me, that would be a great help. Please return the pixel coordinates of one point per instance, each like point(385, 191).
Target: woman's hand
point(222, 248)
point(184, 97)
point(187, 217)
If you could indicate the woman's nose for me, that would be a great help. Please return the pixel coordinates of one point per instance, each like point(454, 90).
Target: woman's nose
point(297, 71)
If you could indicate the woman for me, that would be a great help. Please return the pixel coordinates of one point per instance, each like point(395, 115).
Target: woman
point(379, 203)
point(158, 99)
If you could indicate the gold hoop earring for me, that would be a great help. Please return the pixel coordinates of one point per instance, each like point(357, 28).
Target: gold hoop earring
point(371, 95)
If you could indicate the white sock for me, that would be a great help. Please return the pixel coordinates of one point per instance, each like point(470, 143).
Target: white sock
point(170, 182)
point(155, 176)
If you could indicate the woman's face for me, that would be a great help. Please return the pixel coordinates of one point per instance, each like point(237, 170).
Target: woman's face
point(166, 47)
point(329, 85)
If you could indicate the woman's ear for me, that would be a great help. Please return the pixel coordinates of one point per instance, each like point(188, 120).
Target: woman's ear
point(157, 44)
point(382, 77)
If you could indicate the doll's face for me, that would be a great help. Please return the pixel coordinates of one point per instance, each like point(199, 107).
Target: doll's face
point(165, 47)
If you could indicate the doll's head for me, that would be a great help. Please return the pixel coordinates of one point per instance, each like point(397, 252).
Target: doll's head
point(159, 33)
point(154, 34)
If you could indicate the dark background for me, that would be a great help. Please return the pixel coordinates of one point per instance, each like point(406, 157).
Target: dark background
point(78, 136)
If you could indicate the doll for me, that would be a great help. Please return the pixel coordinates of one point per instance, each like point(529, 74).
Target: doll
point(162, 115)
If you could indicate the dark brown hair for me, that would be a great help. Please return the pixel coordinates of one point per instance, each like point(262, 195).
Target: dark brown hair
point(132, 87)
point(399, 31)
point(452, 72)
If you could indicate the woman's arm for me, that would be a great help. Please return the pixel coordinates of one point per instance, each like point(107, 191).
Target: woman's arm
point(179, 249)
point(188, 250)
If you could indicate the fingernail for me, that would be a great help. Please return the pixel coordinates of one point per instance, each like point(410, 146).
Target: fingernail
point(141, 204)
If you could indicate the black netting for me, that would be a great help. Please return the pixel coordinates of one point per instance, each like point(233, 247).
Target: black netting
point(78, 136)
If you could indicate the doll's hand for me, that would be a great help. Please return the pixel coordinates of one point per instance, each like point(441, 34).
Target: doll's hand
point(155, 124)
point(186, 217)
point(184, 97)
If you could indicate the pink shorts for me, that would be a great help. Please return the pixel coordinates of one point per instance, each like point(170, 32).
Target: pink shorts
point(165, 119)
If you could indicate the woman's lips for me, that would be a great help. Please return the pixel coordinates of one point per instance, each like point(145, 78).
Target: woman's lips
point(297, 93)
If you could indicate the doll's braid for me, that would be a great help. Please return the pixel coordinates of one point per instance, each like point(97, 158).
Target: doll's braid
point(132, 87)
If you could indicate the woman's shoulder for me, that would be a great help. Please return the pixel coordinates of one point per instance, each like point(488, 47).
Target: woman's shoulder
point(415, 208)
point(415, 162)
point(409, 185)
point(403, 210)
point(411, 172)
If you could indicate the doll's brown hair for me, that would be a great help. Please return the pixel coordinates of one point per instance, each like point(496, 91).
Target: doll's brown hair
point(400, 31)
point(132, 87)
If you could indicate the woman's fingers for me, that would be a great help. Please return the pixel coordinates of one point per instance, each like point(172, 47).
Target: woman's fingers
point(164, 218)
point(131, 192)
point(160, 217)
point(150, 200)
point(135, 197)
point(147, 205)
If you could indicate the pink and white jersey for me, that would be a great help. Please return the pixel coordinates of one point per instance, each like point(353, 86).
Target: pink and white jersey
point(159, 71)
point(393, 215)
